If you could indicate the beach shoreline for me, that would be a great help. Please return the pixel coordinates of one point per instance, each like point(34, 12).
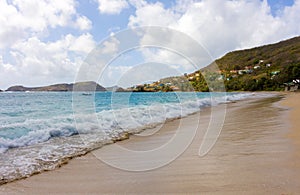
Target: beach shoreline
point(238, 162)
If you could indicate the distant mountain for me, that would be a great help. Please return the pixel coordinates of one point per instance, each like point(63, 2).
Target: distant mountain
point(115, 89)
point(80, 86)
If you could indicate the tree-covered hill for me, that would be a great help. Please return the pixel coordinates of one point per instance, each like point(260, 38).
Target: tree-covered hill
point(261, 68)
point(278, 55)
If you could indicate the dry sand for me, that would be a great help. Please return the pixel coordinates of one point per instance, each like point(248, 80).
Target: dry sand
point(293, 102)
point(256, 153)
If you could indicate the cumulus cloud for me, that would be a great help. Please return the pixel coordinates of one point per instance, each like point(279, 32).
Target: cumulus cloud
point(82, 44)
point(136, 74)
point(26, 57)
point(28, 18)
point(127, 76)
point(83, 23)
point(46, 62)
point(220, 26)
point(112, 6)
point(110, 46)
point(111, 75)
point(164, 56)
point(153, 14)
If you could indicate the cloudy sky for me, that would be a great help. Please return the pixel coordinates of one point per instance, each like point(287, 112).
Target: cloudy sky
point(44, 42)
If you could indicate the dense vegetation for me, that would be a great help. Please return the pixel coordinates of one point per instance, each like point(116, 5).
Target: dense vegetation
point(261, 68)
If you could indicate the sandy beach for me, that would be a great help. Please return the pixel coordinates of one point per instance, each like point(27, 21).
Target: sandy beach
point(256, 153)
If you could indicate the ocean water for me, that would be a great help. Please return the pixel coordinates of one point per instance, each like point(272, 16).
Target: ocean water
point(40, 131)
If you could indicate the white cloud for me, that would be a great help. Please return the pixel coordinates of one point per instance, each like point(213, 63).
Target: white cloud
point(26, 57)
point(145, 73)
point(137, 3)
point(112, 75)
point(83, 23)
point(83, 44)
point(220, 26)
point(112, 6)
point(46, 62)
point(21, 19)
point(127, 76)
point(110, 46)
point(291, 18)
point(8, 73)
point(164, 56)
point(153, 14)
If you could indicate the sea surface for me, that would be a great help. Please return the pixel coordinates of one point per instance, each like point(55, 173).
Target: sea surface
point(42, 130)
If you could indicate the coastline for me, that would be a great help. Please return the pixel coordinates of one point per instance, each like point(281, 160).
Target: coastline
point(242, 161)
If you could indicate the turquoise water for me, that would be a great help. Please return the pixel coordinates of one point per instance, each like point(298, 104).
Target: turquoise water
point(39, 130)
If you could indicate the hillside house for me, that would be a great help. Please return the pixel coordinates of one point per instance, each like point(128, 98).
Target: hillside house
point(174, 88)
point(275, 72)
point(246, 71)
point(293, 86)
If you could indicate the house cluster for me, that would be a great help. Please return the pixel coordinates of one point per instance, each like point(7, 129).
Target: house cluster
point(250, 69)
point(293, 86)
point(229, 74)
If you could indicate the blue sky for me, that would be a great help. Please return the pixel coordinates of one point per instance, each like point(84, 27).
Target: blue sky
point(45, 42)
point(278, 5)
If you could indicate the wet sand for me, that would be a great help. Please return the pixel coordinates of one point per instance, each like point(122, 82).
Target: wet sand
point(256, 153)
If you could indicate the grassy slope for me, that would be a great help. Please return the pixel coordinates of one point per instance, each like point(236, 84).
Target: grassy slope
point(279, 55)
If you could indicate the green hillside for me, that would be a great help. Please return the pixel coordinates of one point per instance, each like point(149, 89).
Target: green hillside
point(279, 55)
point(264, 68)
